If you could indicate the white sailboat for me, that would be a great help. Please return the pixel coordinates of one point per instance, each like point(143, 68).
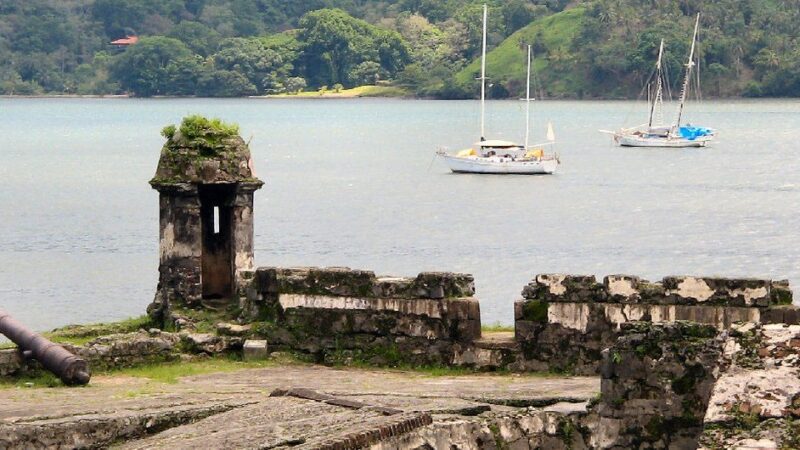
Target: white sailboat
point(503, 157)
point(655, 133)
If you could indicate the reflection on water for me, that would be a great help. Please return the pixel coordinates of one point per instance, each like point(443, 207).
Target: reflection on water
point(352, 183)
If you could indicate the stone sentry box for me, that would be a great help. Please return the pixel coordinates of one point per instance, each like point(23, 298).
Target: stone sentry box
point(206, 185)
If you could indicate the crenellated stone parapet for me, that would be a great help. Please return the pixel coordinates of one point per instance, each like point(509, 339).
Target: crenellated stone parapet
point(564, 321)
point(343, 281)
point(672, 290)
point(338, 312)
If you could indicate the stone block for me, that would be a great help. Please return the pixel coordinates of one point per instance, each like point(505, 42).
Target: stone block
point(791, 315)
point(346, 282)
point(266, 280)
point(462, 308)
point(781, 293)
point(204, 343)
point(254, 349)
point(531, 310)
point(565, 288)
point(232, 329)
point(392, 287)
point(788, 314)
point(10, 361)
point(341, 281)
point(718, 291)
point(525, 330)
point(622, 288)
point(467, 330)
point(443, 285)
point(773, 315)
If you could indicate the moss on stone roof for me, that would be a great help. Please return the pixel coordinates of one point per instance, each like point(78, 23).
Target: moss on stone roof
point(203, 151)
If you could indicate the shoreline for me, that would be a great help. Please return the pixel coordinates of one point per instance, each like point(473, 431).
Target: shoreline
point(341, 96)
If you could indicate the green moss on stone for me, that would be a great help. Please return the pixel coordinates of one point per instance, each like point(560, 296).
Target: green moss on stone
point(650, 349)
point(206, 135)
point(566, 431)
point(535, 311)
point(655, 427)
point(80, 334)
point(168, 131)
point(685, 383)
point(781, 296)
point(499, 442)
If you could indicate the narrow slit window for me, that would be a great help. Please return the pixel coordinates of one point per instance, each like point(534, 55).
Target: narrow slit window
point(216, 220)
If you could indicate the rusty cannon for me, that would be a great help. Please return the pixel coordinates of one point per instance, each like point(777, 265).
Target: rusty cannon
point(71, 369)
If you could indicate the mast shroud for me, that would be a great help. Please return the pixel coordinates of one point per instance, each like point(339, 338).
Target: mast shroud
point(688, 74)
point(483, 76)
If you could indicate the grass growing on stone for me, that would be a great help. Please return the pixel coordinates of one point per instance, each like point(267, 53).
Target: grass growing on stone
point(164, 372)
point(205, 320)
point(496, 327)
point(81, 334)
point(43, 380)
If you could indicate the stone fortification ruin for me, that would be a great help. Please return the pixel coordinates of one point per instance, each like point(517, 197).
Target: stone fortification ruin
point(683, 363)
point(663, 349)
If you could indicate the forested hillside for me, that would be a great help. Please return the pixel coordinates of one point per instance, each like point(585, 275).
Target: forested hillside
point(599, 48)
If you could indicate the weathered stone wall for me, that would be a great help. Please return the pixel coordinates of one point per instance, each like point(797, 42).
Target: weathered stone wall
point(756, 400)
point(656, 383)
point(106, 352)
point(655, 386)
point(340, 314)
point(180, 250)
point(565, 321)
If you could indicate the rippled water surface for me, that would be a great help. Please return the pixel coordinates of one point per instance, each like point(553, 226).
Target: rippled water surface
point(352, 183)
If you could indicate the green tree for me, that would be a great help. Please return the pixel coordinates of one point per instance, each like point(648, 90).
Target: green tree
point(368, 72)
point(295, 84)
point(142, 69)
point(254, 58)
point(517, 14)
point(183, 75)
point(335, 43)
point(718, 73)
point(199, 38)
point(224, 83)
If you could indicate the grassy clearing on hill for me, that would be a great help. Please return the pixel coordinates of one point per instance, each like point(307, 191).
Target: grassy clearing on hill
point(506, 64)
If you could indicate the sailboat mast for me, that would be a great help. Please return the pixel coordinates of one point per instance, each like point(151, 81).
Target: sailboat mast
point(657, 97)
point(528, 101)
point(688, 73)
point(483, 76)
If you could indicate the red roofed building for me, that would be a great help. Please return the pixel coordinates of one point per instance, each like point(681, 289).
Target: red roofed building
point(126, 41)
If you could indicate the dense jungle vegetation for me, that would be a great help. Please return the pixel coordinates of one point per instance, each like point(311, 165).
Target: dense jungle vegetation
point(593, 49)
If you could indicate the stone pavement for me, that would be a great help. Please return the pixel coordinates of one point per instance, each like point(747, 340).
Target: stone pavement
point(290, 406)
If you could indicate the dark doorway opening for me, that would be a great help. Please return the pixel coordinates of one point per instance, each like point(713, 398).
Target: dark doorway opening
point(216, 223)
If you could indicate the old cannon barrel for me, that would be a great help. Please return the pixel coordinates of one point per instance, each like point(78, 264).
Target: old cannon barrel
point(71, 369)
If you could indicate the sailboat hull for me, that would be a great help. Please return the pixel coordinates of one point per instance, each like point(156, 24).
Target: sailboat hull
point(500, 166)
point(661, 142)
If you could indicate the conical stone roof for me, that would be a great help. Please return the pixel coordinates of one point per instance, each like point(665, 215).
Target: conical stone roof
point(203, 151)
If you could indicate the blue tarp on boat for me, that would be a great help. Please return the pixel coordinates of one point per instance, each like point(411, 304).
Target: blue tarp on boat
point(692, 133)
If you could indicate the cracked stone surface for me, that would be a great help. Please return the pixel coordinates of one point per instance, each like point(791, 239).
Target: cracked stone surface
point(235, 410)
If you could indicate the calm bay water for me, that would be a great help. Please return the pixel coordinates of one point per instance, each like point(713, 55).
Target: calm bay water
point(352, 183)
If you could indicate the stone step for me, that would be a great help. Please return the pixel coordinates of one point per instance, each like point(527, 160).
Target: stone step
point(496, 340)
